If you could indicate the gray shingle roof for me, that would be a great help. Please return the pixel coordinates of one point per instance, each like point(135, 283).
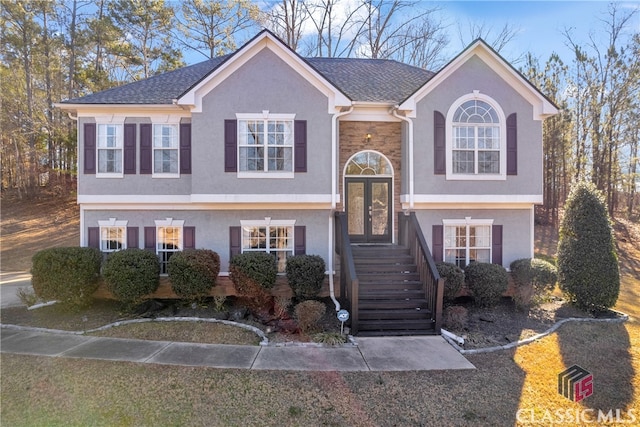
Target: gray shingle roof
point(372, 80)
point(365, 80)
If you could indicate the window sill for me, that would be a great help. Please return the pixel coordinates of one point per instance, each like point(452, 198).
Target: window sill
point(474, 177)
point(266, 175)
point(165, 175)
point(109, 175)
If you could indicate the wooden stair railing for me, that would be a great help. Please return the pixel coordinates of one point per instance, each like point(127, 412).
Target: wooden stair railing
point(410, 235)
point(348, 278)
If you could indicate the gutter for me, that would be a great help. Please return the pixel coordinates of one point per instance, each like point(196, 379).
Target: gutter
point(334, 190)
point(394, 112)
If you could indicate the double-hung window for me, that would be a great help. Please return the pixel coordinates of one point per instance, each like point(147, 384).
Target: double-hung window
point(165, 150)
point(110, 151)
point(169, 240)
point(265, 144)
point(273, 237)
point(476, 147)
point(467, 241)
point(113, 235)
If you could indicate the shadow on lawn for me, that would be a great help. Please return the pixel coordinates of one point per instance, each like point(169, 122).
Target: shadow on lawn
point(604, 350)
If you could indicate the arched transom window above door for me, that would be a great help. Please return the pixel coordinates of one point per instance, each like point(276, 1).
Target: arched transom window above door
point(368, 163)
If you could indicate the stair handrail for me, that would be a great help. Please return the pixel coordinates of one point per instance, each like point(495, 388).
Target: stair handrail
point(348, 277)
point(410, 235)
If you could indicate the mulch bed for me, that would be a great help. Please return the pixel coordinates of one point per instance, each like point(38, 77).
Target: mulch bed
point(505, 323)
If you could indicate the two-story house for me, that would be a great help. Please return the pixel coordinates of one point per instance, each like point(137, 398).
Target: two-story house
point(256, 151)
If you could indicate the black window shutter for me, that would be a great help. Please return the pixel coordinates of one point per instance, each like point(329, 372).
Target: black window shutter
point(146, 149)
point(300, 145)
point(130, 148)
point(89, 148)
point(512, 144)
point(93, 240)
point(439, 144)
point(185, 148)
point(132, 237)
point(235, 241)
point(496, 244)
point(437, 237)
point(230, 145)
point(300, 239)
point(150, 239)
point(189, 235)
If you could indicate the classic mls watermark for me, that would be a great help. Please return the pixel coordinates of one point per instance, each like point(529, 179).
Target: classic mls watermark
point(575, 383)
point(576, 415)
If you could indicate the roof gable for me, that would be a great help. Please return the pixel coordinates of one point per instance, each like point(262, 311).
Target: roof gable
point(542, 106)
point(264, 40)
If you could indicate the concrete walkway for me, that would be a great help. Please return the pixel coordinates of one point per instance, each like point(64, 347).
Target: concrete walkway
point(370, 354)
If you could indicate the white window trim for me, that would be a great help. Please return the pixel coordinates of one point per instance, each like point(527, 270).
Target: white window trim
point(116, 121)
point(168, 121)
point(266, 115)
point(169, 222)
point(467, 221)
point(267, 223)
point(112, 222)
point(502, 176)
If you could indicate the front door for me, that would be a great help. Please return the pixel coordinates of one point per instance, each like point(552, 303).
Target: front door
point(369, 209)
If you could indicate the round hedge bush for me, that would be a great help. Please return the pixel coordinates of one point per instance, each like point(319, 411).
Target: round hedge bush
point(257, 266)
point(131, 274)
point(193, 272)
point(533, 278)
point(588, 271)
point(453, 279)
point(69, 275)
point(487, 282)
point(305, 275)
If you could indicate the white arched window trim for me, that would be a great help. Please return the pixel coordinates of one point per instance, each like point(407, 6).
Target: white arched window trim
point(476, 95)
point(389, 164)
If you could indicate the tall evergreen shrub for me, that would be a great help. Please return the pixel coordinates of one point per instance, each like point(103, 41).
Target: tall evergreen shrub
point(588, 270)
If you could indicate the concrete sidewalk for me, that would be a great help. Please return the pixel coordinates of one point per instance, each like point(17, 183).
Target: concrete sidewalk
point(370, 354)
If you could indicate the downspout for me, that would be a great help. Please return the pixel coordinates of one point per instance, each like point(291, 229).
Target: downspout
point(334, 202)
point(394, 111)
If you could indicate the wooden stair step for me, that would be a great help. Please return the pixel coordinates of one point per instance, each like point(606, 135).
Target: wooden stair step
point(395, 259)
point(368, 325)
point(396, 333)
point(364, 277)
point(385, 304)
point(379, 286)
point(394, 314)
point(390, 294)
point(386, 268)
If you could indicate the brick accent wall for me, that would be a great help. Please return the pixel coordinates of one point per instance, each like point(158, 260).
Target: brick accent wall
point(386, 138)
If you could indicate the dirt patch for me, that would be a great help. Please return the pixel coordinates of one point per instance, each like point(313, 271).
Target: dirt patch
point(30, 225)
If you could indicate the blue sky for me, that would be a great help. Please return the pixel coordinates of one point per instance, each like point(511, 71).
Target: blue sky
point(540, 23)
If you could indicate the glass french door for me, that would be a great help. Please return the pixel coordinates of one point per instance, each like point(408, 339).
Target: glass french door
point(368, 206)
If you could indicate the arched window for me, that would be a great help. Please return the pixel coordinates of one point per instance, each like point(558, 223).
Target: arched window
point(368, 163)
point(476, 146)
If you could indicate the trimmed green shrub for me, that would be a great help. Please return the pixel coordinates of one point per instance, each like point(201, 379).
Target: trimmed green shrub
point(193, 272)
point(69, 275)
point(453, 279)
point(533, 279)
point(305, 274)
point(257, 266)
point(487, 282)
point(588, 271)
point(308, 314)
point(131, 274)
point(253, 274)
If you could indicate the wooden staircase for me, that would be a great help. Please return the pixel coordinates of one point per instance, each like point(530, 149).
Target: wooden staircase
point(391, 296)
